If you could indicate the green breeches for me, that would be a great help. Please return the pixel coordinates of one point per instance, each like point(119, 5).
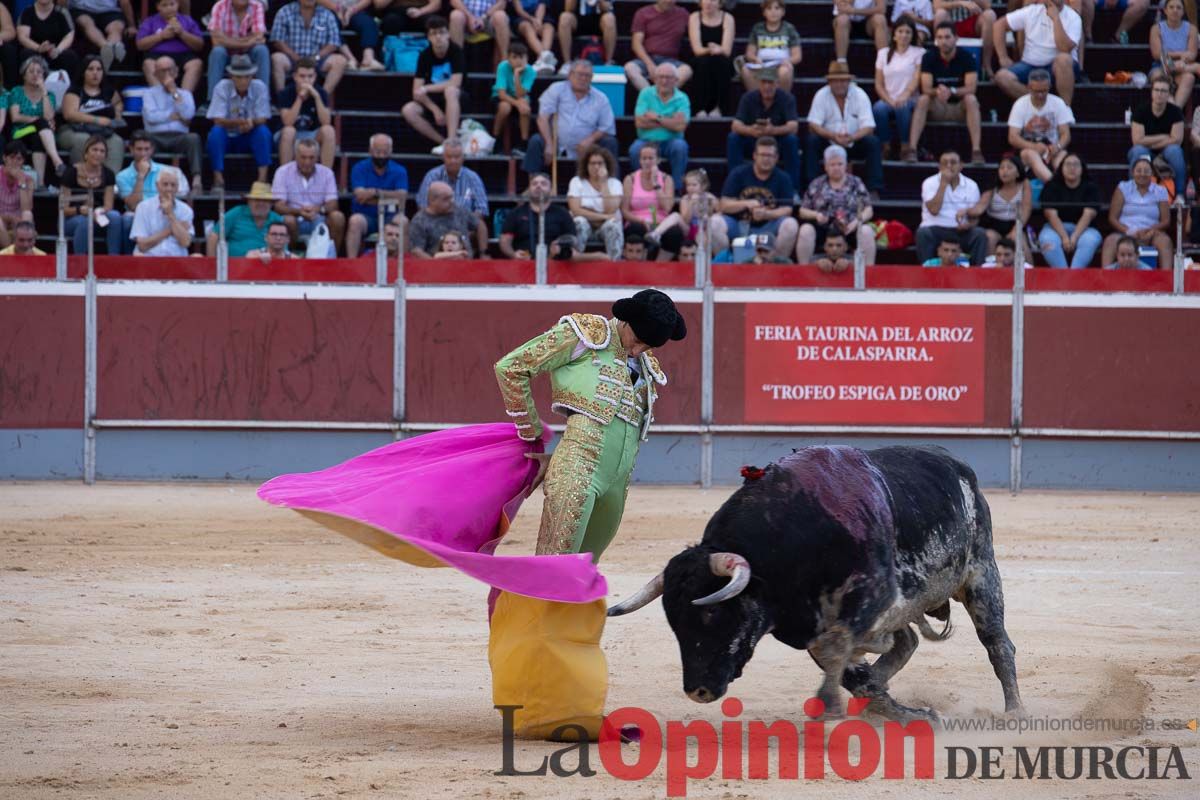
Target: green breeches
point(586, 486)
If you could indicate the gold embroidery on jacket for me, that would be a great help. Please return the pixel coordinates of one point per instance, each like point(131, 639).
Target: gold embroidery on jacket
point(567, 482)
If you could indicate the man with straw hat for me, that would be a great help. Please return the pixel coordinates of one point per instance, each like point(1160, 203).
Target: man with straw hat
point(841, 114)
point(246, 225)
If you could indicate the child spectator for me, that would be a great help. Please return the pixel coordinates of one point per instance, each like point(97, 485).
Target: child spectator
point(514, 82)
point(772, 43)
point(440, 70)
point(452, 245)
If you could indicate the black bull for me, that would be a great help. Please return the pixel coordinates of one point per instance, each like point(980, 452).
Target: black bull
point(840, 552)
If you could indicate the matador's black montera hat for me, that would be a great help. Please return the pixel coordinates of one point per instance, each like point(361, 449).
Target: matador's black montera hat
point(653, 317)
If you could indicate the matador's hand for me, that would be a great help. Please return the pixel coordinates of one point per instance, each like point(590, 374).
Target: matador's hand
point(543, 460)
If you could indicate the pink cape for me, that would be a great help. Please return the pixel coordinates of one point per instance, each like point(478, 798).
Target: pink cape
point(443, 499)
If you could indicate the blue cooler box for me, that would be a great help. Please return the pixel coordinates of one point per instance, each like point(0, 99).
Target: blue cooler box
point(611, 81)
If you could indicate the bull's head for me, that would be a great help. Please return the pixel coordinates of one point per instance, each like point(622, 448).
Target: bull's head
point(715, 618)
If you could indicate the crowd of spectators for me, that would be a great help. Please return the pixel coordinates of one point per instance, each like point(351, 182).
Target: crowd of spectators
point(792, 192)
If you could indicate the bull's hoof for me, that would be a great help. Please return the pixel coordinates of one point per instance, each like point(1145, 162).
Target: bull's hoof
point(889, 709)
point(1016, 712)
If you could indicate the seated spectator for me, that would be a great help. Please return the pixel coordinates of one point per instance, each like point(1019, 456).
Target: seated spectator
point(1006, 256)
point(247, 227)
point(834, 248)
point(584, 18)
point(1070, 203)
point(511, 92)
point(594, 200)
point(647, 196)
point(710, 34)
point(773, 43)
point(634, 249)
point(24, 241)
point(661, 116)
point(1004, 209)
point(437, 216)
point(276, 246)
point(971, 19)
point(79, 209)
point(582, 117)
point(949, 79)
point(372, 181)
point(530, 19)
point(1157, 129)
point(766, 111)
point(1132, 13)
point(391, 241)
point(946, 202)
point(898, 85)
point(104, 23)
point(841, 114)
point(1140, 210)
point(16, 190)
point(45, 29)
point(306, 195)
point(473, 17)
point(757, 198)
point(176, 36)
point(469, 191)
point(1173, 50)
point(687, 251)
point(441, 69)
point(400, 16)
point(1052, 36)
point(162, 225)
point(869, 15)
point(677, 229)
point(358, 16)
point(139, 181)
point(658, 32)
point(949, 254)
point(835, 202)
point(1039, 127)
point(1128, 255)
point(10, 48)
point(31, 116)
point(168, 111)
point(302, 29)
point(240, 109)
point(519, 238)
point(453, 245)
point(921, 13)
point(304, 113)
point(92, 107)
point(238, 28)
point(764, 251)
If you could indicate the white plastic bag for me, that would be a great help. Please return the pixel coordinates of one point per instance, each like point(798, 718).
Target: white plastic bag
point(58, 82)
point(475, 138)
point(320, 243)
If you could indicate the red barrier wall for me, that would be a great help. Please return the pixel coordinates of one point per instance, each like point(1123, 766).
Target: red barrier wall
point(41, 362)
point(217, 358)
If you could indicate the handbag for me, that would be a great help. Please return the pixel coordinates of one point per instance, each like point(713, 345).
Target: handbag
point(320, 243)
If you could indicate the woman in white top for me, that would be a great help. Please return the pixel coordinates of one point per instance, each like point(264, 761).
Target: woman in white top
point(594, 199)
point(897, 76)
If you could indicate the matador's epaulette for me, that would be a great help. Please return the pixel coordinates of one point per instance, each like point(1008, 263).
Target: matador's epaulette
point(592, 329)
point(656, 371)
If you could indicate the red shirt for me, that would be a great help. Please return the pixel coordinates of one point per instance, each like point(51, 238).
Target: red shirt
point(664, 31)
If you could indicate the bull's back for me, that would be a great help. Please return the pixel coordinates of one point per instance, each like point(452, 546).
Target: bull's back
point(941, 516)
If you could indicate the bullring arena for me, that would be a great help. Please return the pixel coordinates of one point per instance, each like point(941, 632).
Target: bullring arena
point(167, 640)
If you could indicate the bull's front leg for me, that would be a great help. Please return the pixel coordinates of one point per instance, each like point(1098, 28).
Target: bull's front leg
point(832, 650)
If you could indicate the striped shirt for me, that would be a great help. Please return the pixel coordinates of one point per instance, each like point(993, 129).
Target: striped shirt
point(306, 40)
point(469, 192)
point(225, 21)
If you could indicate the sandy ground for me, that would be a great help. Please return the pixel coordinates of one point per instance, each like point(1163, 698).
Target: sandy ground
point(189, 641)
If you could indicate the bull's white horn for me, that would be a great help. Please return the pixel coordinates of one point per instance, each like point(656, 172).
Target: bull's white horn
point(726, 564)
point(643, 596)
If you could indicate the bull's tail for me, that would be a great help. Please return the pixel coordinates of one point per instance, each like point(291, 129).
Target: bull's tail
point(929, 633)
